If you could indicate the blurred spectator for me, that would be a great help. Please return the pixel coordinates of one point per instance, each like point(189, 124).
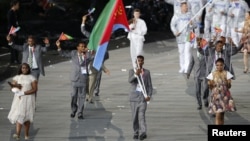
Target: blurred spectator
point(156, 13)
point(39, 8)
point(163, 15)
point(12, 19)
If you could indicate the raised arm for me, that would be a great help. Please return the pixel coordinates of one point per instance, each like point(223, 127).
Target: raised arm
point(60, 51)
point(132, 76)
point(12, 44)
point(47, 44)
point(83, 29)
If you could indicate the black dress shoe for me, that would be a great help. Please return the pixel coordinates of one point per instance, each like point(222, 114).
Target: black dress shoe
point(96, 94)
point(72, 115)
point(143, 136)
point(199, 107)
point(80, 117)
point(91, 102)
point(206, 104)
point(135, 137)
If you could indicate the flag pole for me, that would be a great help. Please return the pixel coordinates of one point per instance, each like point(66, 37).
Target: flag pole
point(10, 30)
point(141, 84)
point(143, 88)
point(196, 15)
point(142, 80)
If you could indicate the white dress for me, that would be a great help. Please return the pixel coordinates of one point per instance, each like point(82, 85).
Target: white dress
point(23, 107)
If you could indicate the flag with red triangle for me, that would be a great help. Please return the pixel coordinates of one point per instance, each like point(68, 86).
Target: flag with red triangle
point(191, 37)
point(112, 17)
point(203, 43)
point(13, 30)
point(64, 36)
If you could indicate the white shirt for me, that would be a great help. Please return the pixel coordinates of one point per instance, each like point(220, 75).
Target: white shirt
point(34, 63)
point(83, 68)
point(229, 76)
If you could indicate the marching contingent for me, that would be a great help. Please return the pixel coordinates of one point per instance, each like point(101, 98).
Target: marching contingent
point(208, 33)
point(226, 32)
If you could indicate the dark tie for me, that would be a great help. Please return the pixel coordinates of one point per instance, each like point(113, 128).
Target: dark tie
point(30, 58)
point(80, 59)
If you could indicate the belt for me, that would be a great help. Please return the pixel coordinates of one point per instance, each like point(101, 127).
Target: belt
point(35, 69)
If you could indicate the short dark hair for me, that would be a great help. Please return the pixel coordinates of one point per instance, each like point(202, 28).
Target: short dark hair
point(219, 60)
point(31, 37)
point(82, 42)
point(137, 10)
point(219, 42)
point(20, 68)
point(141, 57)
point(14, 2)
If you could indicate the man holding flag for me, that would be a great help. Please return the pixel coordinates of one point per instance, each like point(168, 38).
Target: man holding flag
point(198, 63)
point(213, 53)
point(79, 76)
point(94, 76)
point(140, 80)
point(182, 35)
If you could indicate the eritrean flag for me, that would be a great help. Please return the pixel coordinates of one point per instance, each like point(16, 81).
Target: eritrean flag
point(217, 29)
point(203, 43)
point(64, 36)
point(112, 18)
point(13, 30)
point(191, 37)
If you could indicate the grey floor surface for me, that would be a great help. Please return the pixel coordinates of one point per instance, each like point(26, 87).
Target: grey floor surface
point(171, 115)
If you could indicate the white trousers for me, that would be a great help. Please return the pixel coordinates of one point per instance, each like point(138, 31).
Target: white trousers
point(184, 56)
point(236, 37)
point(136, 48)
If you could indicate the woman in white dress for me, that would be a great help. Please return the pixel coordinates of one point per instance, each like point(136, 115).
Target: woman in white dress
point(221, 100)
point(24, 86)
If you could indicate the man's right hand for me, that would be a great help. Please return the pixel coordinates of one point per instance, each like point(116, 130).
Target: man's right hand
point(137, 72)
point(84, 18)
point(58, 44)
point(9, 38)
